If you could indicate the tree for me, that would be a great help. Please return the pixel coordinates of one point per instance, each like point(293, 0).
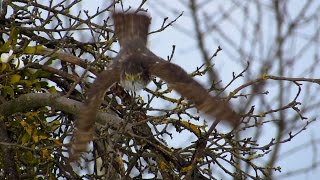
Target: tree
point(51, 53)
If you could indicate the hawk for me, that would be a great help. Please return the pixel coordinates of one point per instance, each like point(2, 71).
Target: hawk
point(133, 67)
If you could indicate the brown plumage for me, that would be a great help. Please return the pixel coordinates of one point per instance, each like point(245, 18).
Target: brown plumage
point(131, 30)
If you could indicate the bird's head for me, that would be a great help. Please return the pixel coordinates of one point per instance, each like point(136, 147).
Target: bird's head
point(134, 76)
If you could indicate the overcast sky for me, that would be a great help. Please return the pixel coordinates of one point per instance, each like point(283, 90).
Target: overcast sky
point(188, 57)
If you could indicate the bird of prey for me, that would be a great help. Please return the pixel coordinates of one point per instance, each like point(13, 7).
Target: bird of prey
point(133, 67)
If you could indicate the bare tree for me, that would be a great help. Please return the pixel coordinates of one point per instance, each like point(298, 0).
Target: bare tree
point(51, 52)
point(280, 41)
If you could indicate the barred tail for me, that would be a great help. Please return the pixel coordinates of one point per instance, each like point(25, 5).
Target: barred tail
point(131, 27)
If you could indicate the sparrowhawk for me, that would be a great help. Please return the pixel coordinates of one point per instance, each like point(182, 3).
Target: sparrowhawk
point(133, 67)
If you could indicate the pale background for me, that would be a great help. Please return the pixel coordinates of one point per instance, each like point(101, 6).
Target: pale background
point(187, 56)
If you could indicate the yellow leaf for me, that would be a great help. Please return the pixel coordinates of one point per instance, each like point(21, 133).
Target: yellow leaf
point(42, 137)
point(25, 138)
point(264, 76)
point(163, 166)
point(193, 128)
point(52, 90)
point(15, 78)
point(187, 168)
point(33, 49)
point(231, 94)
point(56, 141)
point(54, 125)
point(35, 138)
point(29, 130)
point(23, 123)
point(45, 153)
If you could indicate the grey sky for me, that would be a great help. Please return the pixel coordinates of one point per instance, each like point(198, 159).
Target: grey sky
point(188, 57)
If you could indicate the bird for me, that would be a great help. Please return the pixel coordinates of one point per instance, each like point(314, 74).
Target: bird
point(133, 68)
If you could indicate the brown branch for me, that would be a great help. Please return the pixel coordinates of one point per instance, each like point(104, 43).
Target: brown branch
point(213, 75)
point(163, 26)
point(30, 101)
point(65, 57)
point(10, 167)
point(277, 78)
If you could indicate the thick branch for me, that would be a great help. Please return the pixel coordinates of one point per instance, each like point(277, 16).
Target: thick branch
point(35, 100)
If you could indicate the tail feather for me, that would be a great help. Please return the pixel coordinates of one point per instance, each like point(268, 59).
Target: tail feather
point(131, 28)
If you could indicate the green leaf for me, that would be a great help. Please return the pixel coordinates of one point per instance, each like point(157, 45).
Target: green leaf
point(33, 49)
point(14, 35)
point(7, 91)
point(25, 138)
point(12, 41)
point(14, 78)
point(27, 83)
point(43, 84)
point(3, 66)
point(52, 90)
point(43, 74)
point(28, 158)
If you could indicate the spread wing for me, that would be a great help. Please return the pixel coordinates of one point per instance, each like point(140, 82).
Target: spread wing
point(84, 124)
point(131, 30)
point(184, 84)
